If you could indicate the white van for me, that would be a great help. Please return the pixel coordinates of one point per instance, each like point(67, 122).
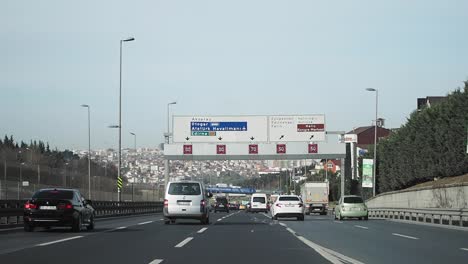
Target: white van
point(186, 200)
point(259, 203)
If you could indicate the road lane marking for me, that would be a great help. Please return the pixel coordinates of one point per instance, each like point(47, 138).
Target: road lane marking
point(156, 261)
point(339, 222)
point(58, 241)
point(363, 227)
point(144, 223)
point(183, 243)
point(400, 235)
point(332, 256)
point(161, 219)
point(120, 228)
point(10, 229)
point(219, 219)
point(465, 249)
point(283, 224)
point(202, 230)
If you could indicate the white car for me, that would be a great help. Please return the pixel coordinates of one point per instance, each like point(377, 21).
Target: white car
point(259, 203)
point(288, 206)
point(186, 200)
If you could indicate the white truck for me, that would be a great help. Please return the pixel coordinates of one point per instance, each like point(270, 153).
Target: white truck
point(315, 197)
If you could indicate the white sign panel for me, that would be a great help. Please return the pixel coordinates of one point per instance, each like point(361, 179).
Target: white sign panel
point(297, 128)
point(25, 183)
point(350, 138)
point(220, 129)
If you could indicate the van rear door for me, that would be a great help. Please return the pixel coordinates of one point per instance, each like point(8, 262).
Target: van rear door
point(184, 198)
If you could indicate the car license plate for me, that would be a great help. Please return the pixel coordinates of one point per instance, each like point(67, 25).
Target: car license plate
point(48, 207)
point(290, 205)
point(221, 205)
point(184, 203)
point(356, 209)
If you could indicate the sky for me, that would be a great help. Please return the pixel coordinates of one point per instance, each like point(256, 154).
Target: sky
point(261, 57)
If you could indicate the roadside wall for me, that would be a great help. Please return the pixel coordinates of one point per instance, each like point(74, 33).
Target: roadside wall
point(451, 196)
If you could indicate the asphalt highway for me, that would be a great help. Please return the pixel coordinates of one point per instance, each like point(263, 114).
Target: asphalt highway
point(238, 237)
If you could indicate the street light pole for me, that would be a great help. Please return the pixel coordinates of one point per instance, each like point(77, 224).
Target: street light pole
point(89, 149)
point(166, 161)
point(120, 115)
point(375, 136)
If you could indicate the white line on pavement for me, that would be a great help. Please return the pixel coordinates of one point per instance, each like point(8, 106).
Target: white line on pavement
point(465, 249)
point(156, 261)
point(183, 243)
point(339, 222)
point(120, 228)
point(202, 230)
point(219, 219)
point(58, 241)
point(363, 227)
point(9, 229)
point(400, 235)
point(144, 223)
point(332, 256)
point(161, 219)
point(283, 224)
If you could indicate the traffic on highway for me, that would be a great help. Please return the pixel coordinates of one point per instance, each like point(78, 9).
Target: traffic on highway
point(243, 132)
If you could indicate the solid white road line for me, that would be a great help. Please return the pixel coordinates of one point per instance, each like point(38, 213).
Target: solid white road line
point(465, 249)
point(120, 228)
point(339, 222)
point(400, 235)
point(144, 223)
point(283, 224)
point(332, 256)
point(58, 241)
point(363, 227)
point(219, 219)
point(202, 230)
point(183, 243)
point(156, 261)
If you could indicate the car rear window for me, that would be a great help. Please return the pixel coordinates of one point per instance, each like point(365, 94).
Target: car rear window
point(53, 194)
point(221, 200)
point(289, 198)
point(353, 200)
point(180, 188)
point(259, 199)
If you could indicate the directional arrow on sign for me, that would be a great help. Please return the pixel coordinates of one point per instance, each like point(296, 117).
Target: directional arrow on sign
point(252, 138)
point(311, 136)
point(187, 138)
point(282, 136)
point(220, 138)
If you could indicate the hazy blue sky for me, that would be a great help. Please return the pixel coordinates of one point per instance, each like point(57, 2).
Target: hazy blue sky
point(220, 58)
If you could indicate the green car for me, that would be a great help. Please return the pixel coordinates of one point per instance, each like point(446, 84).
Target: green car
point(351, 206)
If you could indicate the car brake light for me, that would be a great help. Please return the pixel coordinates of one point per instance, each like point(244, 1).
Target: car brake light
point(29, 205)
point(278, 205)
point(166, 203)
point(65, 206)
point(203, 203)
point(300, 204)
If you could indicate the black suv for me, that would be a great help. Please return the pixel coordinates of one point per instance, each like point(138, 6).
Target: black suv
point(221, 204)
point(58, 207)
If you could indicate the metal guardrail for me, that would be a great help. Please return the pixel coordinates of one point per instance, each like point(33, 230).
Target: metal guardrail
point(451, 217)
point(11, 211)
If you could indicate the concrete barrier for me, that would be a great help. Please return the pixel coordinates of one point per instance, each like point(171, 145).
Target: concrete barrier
point(448, 197)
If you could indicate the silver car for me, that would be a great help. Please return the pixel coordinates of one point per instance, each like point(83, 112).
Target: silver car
point(186, 200)
point(351, 206)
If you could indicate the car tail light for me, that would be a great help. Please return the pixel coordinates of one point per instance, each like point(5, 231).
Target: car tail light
point(166, 203)
point(203, 203)
point(29, 205)
point(65, 206)
point(278, 205)
point(300, 205)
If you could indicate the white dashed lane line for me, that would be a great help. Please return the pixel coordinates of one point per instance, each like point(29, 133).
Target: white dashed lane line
point(362, 227)
point(120, 228)
point(338, 222)
point(465, 249)
point(59, 241)
point(202, 230)
point(144, 223)
point(184, 242)
point(405, 236)
point(156, 261)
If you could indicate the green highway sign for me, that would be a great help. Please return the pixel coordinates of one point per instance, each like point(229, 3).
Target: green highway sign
point(204, 133)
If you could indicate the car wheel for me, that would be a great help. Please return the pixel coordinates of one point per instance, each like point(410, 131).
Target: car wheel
point(366, 217)
point(173, 221)
point(167, 221)
point(323, 213)
point(28, 227)
point(91, 224)
point(301, 218)
point(275, 217)
point(340, 217)
point(76, 226)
